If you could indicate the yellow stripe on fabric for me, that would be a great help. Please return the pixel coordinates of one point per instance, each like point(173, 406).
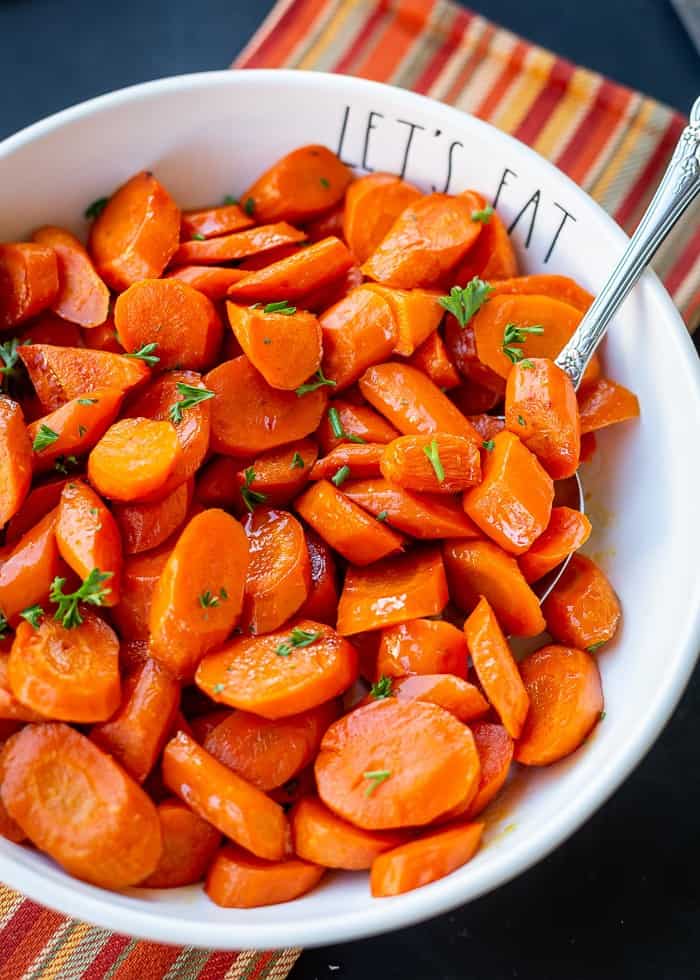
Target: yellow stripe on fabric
point(283, 962)
point(323, 53)
point(634, 150)
point(325, 13)
point(57, 966)
point(528, 85)
point(466, 50)
point(428, 42)
point(580, 93)
point(485, 76)
point(609, 150)
point(61, 934)
point(10, 901)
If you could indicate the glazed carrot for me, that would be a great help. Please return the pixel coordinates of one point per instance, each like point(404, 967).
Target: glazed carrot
point(567, 531)
point(605, 402)
point(488, 426)
point(61, 373)
point(136, 234)
point(296, 789)
point(352, 423)
point(358, 331)
point(102, 337)
point(372, 205)
point(269, 752)
point(328, 223)
point(74, 428)
point(16, 453)
point(328, 293)
point(513, 503)
point(422, 515)
point(297, 275)
point(588, 446)
point(492, 255)
point(396, 764)
point(189, 846)
point(262, 259)
point(28, 281)
point(198, 597)
point(460, 342)
point(323, 838)
point(392, 591)
point(433, 359)
point(79, 806)
point(144, 525)
point(182, 322)
point(237, 880)
point(439, 463)
point(218, 795)
point(582, 610)
point(557, 287)
point(9, 829)
point(300, 186)
point(322, 601)
point(48, 328)
point(82, 296)
point(411, 402)
point(282, 673)
point(480, 568)
point(137, 732)
point(88, 537)
point(210, 222)
point(279, 574)
point(496, 668)
point(495, 748)
point(202, 726)
point(422, 646)
point(362, 461)
point(80, 685)
point(454, 694)
point(542, 411)
point(229, 248)
point(284, 346)
point(248, 416)
point(417, 314)
point(217, 483)
point(30, 568)
point(426, 859)
point(134, 458)
point(212, 280)
point(133, 654)
point(425, 243)
point(10, 708)
point(566, 702)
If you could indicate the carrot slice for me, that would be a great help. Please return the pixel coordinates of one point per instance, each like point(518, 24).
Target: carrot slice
point(248, 416)
point(492, 255)
point(181, 321)
point(134, 458)
point(202, 726)
point(79, 806)
point(102, 337)
point(322, 601)
point(488, 426)
point(198, 597)
point(567, 531)
point(422, 646)
point(361, 460)
point(358, 331)
point(237, 880)
point(495, 748)
point(433, 359)
point(566, 701)
point(328, 223)
point(136, 234)
point(396, 764)
point(454, 694)
point(297, 275)
point(557, 287)
point(279, 574)
point(357, 424)
point(323, 838)
point(30, 568)
point(75, 427)
point(417, 313)
point(146, 525)
point(28, 281)
point(212, 280)
point(10, 708)
point(240, 244)
point(582, 609)
point(481, 568)
point(422, 515)
point(284, 347)
point(300, 186)
point(67, 674)
point(232, 805)
point(392, 591)
point(282, 673)
point(16, 453)
point(217, 483)
point(140, 573)
point(605, 402)
point(427, 859)
point(495, 667)
point(513, 503)
point(372, 205)
point(262, 259)
point(440, 463)
point(210, 222)
point(588, 446)
point(88, 537)
point(9, 829)
point(189, 846)
point(82, 296)
point(345, 526)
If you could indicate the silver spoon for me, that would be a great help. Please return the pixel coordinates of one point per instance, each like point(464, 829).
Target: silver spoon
point(679, 186)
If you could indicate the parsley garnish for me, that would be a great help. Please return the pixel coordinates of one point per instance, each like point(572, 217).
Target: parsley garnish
point(595, 646)
point(298, 638)
point(208, 600)
point(281, 306)
point(9, 355)
point(218, 688)
point(602, 715)
point(33, 615)
point(96, 208)
point(145, 354)
point(81, 431)
point(88, 401)
point(230, 199)
point(341, 476)
point(463, 303)
point(382, 689)
point(484, 215)
point(382, 515)
point(4, 625)
point(251, 497)
point(191, 396)
point(488, 445)
point(521, 420)
point(63, 463)
point(199, 237)
point(337, 427)
point(513, 334)
point(526, 363)
point(324, 183)
point(249, 207)
point(433, 454)
point(44, 438)
point(376, 776)
point(319, 381)
point(297, 462)
point(91, 592)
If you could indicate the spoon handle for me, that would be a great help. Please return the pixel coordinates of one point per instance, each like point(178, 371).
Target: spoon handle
point(680, 184)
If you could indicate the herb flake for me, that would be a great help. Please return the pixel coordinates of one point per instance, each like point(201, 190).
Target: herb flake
point(483, 216)
point(95, 209)
point(513, 336)
point(251, 498)
point(376, 778)
point(145, 354)
point(298, 639)
point(33, 615)
point(280, 306)
point(341, 476)
point(297, 462)
point(464, 302)
point(432, 451)
point(319, 380)
point(44, 438)
point(91, 592)
point(382, 689)
point(191, 396)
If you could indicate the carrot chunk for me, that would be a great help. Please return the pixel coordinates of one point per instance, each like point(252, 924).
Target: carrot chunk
point(604, 402)
point(279, 574)
point(567, 531)
point(211, 222)
point(358, 331)
point(295, 277)
point(323, 838)
point(300, 186)
point(189, 846)
point(422, 646)
point(134, 458)
point(16, 453)
point(454, 694)
point(424, 860)
point(144, 525)
point(582, 609)
point(30, 568)
point(75, 427)
point(433, 359)
point(239, 245)
point(372, 205)
point(237, 880)
point(88, 537)
point(28, 281)
point(424, 516)
point(346, 422)
point(440, 463)
point(285, 346)
point(82, 296)
point(495, 748)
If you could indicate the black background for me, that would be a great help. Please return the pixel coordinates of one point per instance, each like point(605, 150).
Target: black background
point(621, 898)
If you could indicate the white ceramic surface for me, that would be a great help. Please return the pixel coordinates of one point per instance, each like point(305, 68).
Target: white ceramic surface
point(206, 136)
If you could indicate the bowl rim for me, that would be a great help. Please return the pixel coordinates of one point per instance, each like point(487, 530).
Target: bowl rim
point(98, 906)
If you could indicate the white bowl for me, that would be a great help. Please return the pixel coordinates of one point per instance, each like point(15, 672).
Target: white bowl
point(206, 136)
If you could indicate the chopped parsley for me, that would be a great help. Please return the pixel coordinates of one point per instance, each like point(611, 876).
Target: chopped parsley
point(298, 638)
point(341, 476)
point(251, 498)
point(488, 445)
point(595, 646)
point(88, 401)
point(63, 464)
point(280, 306)
point(199, 237)
point(376, 778)
point(324, 182)
point(91, 592)
point(484, 215)
point(191, 396)
point(433, 454)
point(4, 625)
point(208, 600)
point(515, 335)
point(464, 302)
point(44, 438)
point(33, 615)
point(337, 427)
point(9, 361)
point(521, 420)
point(230, 199)
point(218, 688)
point(319, 381)
point(249, 206)
point(382, 516)
point(95, 209)
point(382, 689)
point(297, 462)
point(145, 354)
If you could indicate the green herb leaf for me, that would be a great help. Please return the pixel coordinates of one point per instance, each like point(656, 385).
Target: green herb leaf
point(191, 396)
point(324, 183)
point(513, 334)
point(526, 363)
point(483, 216)
point(298, 638)
point(10, 365)
point(488, 445)
point(464, 302)
point(63, 464)
point(230, 199)
point(595, 646)
point(376, 777)
point(81, 431)
point(602, 715)
point(382, 516)
point(319, 381)
point(33, 615)
point(249, 206)
point(382, 689)
point(95, 209)
point(145, 354)
point(44, 438)
point(4, 625)
point(91, 592)
point(88, 401)
point(297, 462)
point(281, 306)
point(251, 498)
point(341, 476)
point(433, 453)
point(207, 600)
point(337, 427)
point(521, 420)
point(199, 237)
point(218, 688)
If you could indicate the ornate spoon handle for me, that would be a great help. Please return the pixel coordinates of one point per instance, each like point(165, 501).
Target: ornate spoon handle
point(680, 184)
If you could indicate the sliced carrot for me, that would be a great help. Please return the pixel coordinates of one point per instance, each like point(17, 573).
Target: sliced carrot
point(295, 789)
point(322, 601)
point(605, 402)
point(439, 463)
point(358, 331)
point(144, 525)
point(198, 598)
point(282, 673)
point(210, 222)
point(454, 694)
point(237, 880)
point(82, 296)
point(30, 568)
point(425, 243)
point(229, 248)
point(16, 453)
point(330, 292)
point(496, 668)
point(48, 328)
point(422, 646)
point(300, 186)
point(495, 748)
point(396, 764)
point(134, 458)
point(217, 483)
point(488, 426)
point(133, 654)
point(284, 347)
point(102, 337)
point(201, 726)
point(136, 234)
point(392, 591)
point(422, 515)
point(262, 259)
point(248, 416)
point(361, 460)
point(567, 531)
point(297, 275)
point(10, 708)
point(279, 574)
point(88, 537)
point(566, 702)
point(136, 734)
point(212, 280)
point(480, 568)
point(582, 609)
point(588, 446)
point(492, 256)
point(426, 859)
point(460, 342)
point(372, 205)
point(79, 806)
point(358, 424)
point(323, 838)
point(75, 427)
point(9, 829)
point(218, 795)
point(140, 573)
point(417, 313)
point(28, 281)
point(189, 846)
point(432, 358)
point(557, 287)
point(328, 223)
point(513, 503)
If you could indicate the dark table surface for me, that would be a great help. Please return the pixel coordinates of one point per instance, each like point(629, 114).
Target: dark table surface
point(621, 898)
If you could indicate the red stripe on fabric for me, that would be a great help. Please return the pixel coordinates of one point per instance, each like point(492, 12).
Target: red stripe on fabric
point(646, 176)
point(684, 263)
point(512, 69)
point(20, 923)
point(284, 26)
point(546, 102)
point(362, 38)
point(106, 957)
point(691, 310)
point(217, 966)
point(31, 943)
point(461, 21)
point(262, 961)
point(147, 961)
point(594, 130)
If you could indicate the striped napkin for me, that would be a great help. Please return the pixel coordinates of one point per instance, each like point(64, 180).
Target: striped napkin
point(612, 141)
